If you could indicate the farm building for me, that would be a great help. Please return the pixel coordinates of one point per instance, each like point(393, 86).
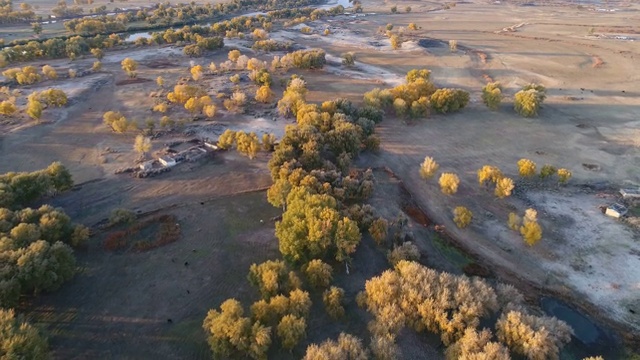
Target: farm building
point(616, 210)
point(167, 161)
point(147, 165)
point(630, 193)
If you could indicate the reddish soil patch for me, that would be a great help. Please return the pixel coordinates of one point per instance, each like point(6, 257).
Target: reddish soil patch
point(145, 235)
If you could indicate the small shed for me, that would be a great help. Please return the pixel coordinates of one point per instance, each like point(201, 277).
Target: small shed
point(167, 161)
point(616, 210)
point(147, 165)
point(630, 193)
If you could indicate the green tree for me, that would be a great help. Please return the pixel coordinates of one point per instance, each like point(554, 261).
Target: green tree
point(271, 278)
point(37, 28)
point(20, 340)
point(547, 171)
point(308, 227)
point(347, 238)
point(407, 251)
point(44, 266)
point(333, 299)
point(346, 347)
point(291, 330)
point(477, 345)
point(318, 273)
point(379, 229)
point(229, 332)
point(532, 336)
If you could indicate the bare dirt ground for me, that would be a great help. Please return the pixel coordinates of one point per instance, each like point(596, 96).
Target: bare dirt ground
point(119, 305)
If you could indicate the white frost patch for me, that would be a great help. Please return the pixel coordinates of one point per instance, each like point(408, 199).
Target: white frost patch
point(139, 54)
point(599, 257)
point(77, 86)
point(362, 71)
point(258, 125)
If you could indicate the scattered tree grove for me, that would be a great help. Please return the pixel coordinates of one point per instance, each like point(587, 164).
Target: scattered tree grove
point(412, 295)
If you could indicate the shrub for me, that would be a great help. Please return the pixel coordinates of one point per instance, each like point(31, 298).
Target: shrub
point(462, 216)
point(396, 42)
point(504, 186)
point(492, 95)
point(530, 230)
point(264, 94)
point(449, 183)
point(121, 216)
point(348, 59)
point(407, 251)
point(531, 336)
point(547, 171)
point(49, 72)
point(449, 100)
point(227, 139)
point(129, 66)
point(428, 168)
point(489, 173)
point(527, 101)
point(526, 168)
point(564, 175)
point(453, 45)
point(514, 221)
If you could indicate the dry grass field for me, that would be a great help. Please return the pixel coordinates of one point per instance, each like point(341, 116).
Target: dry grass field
point(120, 304)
